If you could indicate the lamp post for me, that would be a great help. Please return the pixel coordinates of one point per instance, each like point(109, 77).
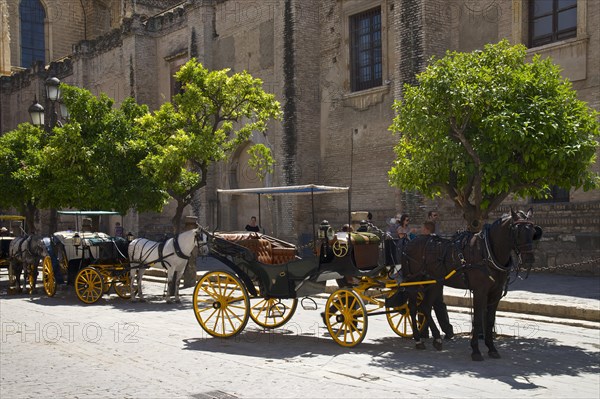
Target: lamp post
point(37, 111)
point(37, 114)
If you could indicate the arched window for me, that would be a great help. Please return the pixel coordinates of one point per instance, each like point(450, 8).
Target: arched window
point(32, 32)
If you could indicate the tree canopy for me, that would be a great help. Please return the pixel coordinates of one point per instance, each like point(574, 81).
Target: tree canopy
point(481, 126)
point(20, 151)
point(214, 114)
point(89, 163)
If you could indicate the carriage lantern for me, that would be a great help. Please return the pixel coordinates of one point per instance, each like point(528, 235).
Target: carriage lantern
point(76, 240)
point(129, 237)
point(323, 229)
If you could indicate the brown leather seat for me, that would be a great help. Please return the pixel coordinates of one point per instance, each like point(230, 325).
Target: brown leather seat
point(283, 255)
point(259, 247)
point(263, 249)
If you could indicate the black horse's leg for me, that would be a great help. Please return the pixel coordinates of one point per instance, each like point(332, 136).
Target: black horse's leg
point(432, 295)
point(479, 299)
point(490, 320)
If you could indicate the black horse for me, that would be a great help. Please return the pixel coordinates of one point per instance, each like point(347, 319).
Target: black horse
point(25, 254)
point(479, 262)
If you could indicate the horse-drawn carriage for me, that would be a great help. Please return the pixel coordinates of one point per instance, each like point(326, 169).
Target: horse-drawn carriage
point(265, 276)
point(94, 262)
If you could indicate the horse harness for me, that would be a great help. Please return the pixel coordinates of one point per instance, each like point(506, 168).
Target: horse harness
point(162, 258)
point(28, 249)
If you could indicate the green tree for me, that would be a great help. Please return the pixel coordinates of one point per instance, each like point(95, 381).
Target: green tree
point(205, 123)
point(481, 126)
point(90, 162)
point(20, 152)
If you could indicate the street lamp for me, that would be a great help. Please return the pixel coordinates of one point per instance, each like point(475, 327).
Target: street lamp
point(37, 112)
point(53, 89)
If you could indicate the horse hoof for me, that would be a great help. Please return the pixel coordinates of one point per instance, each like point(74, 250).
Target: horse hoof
point(437, 344)
point(477, 357)
point(494, 355)
point(178, 300)
point(420, 346)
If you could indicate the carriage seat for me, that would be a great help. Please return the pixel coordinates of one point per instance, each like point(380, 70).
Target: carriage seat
point(365, 247)
point(282, 255)
point(263, 249)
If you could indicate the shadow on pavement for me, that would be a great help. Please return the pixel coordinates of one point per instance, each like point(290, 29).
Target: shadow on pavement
point(521, 357)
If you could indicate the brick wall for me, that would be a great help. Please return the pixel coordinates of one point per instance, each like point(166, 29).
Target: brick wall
point(328, 135)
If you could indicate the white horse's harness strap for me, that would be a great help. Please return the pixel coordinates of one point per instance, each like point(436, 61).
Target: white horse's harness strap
point(177, 249)
point(161, 257)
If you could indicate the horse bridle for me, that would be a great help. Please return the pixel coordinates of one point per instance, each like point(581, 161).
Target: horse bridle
point(523, 248)
point(520, 248)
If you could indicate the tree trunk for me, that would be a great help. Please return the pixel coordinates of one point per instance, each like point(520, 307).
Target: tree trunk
point(29, 226)
point(176, 221)
point(474, 217)
point(189, 274)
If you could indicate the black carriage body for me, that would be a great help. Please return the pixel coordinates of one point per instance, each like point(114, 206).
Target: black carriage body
point(274, 265)
point(268, 263)
point(10, 227)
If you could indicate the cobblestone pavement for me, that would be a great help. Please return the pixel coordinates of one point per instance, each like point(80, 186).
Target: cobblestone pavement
point(116, 348)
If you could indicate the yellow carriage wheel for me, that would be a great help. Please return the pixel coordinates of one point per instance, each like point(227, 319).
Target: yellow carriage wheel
point(122, 285)
point(32, 277)
point(89, 285)
point(272, 312)
point(346, 318)
point(48, 278)
point(221, 304)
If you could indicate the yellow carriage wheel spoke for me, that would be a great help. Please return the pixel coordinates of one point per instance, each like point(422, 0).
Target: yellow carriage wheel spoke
point(122, 285)
point(400, 322)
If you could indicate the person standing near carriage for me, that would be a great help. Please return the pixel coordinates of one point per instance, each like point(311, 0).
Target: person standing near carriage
point(118, 230)
point(439, 307)
point(404, 231)
point(253, 226)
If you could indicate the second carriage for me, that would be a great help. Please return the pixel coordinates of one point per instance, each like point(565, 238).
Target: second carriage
point(93, 262)
point(265, 277)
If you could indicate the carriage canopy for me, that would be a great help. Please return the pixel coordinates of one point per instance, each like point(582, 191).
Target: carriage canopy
point(307, 189)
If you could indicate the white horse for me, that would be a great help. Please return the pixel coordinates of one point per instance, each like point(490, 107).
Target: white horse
point(172, 254)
